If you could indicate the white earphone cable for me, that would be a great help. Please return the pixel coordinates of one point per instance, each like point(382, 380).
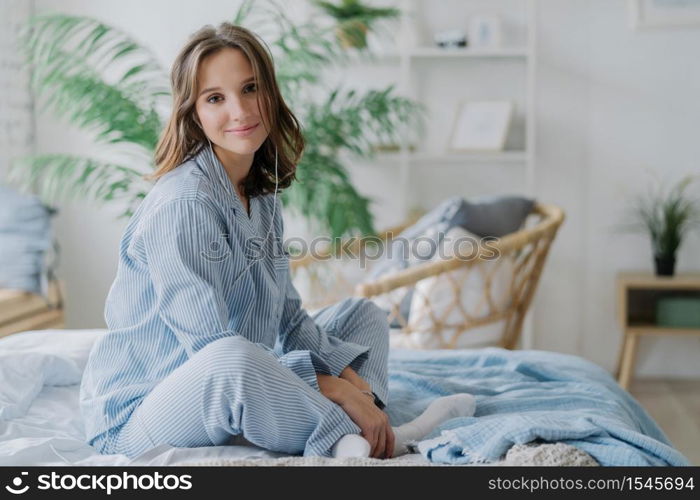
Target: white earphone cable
point(274, 207)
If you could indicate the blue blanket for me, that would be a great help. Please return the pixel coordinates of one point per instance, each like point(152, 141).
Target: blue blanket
point(524, 396)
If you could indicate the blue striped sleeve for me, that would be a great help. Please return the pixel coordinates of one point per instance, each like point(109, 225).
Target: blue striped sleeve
point(190, 265)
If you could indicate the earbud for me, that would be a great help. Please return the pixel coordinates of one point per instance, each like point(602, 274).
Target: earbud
point(195, 119)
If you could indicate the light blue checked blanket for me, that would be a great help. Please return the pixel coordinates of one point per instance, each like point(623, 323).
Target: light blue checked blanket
point(524, 396)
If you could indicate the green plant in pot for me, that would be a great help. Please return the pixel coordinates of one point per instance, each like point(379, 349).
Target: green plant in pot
point(666, 215)
point(354, 20)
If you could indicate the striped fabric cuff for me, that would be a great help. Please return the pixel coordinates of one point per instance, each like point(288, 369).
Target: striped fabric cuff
point(305, 364)
point(346, 354)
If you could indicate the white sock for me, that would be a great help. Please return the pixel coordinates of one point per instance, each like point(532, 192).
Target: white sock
point(437, 412)
point(351, 445)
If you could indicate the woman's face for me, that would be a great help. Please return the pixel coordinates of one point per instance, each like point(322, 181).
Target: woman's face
point(227, 102)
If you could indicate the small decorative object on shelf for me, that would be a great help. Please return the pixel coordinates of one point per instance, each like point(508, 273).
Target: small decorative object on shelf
point(667, 217)
point(481, 126)
point(678, 312)
point(450, 39)
point(485, 31)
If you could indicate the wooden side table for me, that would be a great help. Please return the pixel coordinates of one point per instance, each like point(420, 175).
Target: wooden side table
point(638, 294)
point(21, 311)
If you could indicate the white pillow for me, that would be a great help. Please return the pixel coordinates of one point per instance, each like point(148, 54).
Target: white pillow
point(442, 302)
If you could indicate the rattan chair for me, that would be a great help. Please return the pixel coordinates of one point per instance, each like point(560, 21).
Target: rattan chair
point(521, 257)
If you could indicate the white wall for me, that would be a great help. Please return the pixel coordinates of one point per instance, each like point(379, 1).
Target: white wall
point(16, 127)
point(611, 102)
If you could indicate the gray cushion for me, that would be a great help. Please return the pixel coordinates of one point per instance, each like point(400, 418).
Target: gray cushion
point(488, 216)
point(495, 215)
point(25, 239)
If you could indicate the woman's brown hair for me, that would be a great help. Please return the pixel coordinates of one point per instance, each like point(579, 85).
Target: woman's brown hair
point(183, 137)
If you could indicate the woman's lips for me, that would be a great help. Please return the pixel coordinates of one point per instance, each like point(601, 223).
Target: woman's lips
point(243, 133)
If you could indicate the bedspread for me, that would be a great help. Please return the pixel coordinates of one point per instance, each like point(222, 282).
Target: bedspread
point(522, 397)
point(526, 396)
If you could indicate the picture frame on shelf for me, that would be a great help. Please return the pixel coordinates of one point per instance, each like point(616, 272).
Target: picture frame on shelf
point(485, 32)
point(664, 13)
point(481, 126)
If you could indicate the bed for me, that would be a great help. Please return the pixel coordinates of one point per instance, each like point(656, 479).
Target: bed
point(533, 408)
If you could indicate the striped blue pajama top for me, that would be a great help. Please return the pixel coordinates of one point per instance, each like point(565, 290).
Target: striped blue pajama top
point(194, 267)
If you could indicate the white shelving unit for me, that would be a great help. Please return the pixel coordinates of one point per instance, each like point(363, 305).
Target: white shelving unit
point(414, 51)
point(467, 52)
point(416, 59)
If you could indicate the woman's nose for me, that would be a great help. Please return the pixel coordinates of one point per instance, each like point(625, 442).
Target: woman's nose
point(237, 109)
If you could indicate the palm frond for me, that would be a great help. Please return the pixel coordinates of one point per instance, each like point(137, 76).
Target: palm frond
point(300, 51)
point(325, 193)
point(243, 13)
point(305, 51)
point(61, 177)
point(359, 121)
point(88, 43)
point(354, 9)
point(94, 105)
point(96, 76)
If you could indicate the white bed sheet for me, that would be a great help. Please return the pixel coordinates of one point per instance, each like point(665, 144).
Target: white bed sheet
point(40, 424)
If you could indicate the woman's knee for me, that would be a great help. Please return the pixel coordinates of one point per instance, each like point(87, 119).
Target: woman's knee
point(231, 353)
point(370, 310)
point(362, 313)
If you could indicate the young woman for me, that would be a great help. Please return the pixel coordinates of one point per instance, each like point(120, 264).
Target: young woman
point(206, 335)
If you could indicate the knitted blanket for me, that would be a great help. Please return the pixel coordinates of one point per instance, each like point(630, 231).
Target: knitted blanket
point(530, 454)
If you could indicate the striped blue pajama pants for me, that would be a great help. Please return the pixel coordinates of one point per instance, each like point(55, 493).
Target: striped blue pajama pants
point(233, 386)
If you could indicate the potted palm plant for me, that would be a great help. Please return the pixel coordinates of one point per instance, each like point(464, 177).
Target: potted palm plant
point(106, 83)
point(354, 19)
point(666, 215)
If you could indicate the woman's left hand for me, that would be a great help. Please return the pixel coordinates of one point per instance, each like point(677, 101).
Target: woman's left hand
point(351, 376)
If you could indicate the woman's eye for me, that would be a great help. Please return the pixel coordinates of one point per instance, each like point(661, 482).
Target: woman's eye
point(250, 88)
point(212, 97)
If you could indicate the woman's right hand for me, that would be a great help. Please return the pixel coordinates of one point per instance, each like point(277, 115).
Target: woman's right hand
point(373, 422)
